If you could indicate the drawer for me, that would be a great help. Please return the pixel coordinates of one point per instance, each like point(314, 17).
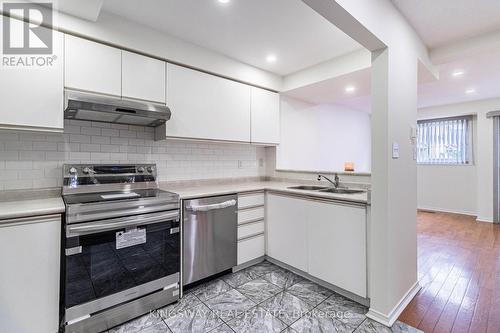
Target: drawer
point(252, 214)
point(250, 248)
point(250, 229)
point(250, 200)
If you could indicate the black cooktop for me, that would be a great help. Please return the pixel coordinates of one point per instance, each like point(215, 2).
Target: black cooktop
point(132, 195)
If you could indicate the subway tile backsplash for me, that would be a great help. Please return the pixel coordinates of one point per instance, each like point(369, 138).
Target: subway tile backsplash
point(32, 160)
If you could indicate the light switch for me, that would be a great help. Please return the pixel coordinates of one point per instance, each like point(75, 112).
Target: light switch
point(395, 150)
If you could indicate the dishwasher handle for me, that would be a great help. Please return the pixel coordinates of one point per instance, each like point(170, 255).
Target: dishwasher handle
point(206, 208)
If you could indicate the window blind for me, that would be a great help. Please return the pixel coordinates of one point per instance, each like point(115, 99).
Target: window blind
point(444, 141)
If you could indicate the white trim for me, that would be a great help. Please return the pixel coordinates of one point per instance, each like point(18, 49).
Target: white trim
point(388, 320)
point(446, 210)
point(487, 219)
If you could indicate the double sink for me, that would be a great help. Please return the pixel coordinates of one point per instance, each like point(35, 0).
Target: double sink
point(338, 190)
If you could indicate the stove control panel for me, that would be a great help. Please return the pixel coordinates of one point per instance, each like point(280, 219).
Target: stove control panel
point(89, 170)
point(108, 176)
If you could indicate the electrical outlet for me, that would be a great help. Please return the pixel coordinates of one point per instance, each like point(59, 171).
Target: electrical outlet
point(240, 164)
point(261, 162)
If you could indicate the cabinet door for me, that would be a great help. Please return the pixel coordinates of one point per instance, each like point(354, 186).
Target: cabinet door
point(265, 116)
point(32, 97)
point(337, 245)
point(287, 230)
point(29, 278)
point(91, 66)
point(143, 77)
point(206, 106)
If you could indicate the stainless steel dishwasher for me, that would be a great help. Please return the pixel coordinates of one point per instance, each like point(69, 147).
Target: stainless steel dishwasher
point(209, 236)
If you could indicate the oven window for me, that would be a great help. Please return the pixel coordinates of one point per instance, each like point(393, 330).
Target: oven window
point(101, 270)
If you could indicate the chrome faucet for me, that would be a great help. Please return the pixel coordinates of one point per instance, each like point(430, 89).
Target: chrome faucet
point(335, 182)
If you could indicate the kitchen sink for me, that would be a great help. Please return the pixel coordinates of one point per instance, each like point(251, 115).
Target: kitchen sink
point(341, 190)
point(308, 188)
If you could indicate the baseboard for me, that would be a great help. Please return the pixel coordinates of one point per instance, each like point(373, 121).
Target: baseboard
point(445, 210)
point(388, 320)
point(484, 219)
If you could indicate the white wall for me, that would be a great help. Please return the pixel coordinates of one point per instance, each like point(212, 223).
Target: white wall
point(483, 159)
point(322, 137)
point(31, 160)
point(447, 188)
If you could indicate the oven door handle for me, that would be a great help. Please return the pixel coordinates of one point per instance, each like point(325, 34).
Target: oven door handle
point(119, 223)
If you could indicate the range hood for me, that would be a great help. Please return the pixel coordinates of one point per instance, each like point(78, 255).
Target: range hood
point(85, 106)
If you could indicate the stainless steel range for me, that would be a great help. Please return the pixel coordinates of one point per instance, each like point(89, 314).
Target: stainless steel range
point(121, 250)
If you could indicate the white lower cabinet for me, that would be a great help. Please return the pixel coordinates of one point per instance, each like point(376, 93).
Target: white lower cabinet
point(287, 230)
point(251, 248)
point(29, 275)
point(251, 227)
point(326, 239)
point(337, 245)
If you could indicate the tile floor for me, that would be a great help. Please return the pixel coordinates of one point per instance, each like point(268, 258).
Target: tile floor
point(261, 298)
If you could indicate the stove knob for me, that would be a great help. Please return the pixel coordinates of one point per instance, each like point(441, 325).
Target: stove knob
point(73, 170)
point(140, 169)
point(150, 169)
point(86, 170)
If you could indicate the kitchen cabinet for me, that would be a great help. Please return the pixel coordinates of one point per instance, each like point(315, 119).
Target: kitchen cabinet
point(287, 230)
point(325, 239)
point(337, 245)
point(32, 97)
point(29, 280)
point(92, 67)
point(251, 248)
point(205, 106)
point(251, 227)
point(265, 121)
point(143, 77)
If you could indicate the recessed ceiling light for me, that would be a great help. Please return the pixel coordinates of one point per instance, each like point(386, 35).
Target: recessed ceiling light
point(470, 91)
point(350, 89)
point(458, 73)
point(271, 58)
point(224, 1)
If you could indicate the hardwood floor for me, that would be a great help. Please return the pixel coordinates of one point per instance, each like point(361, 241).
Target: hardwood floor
point(459, 271)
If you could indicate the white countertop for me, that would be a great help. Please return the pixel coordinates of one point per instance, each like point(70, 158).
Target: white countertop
point(25, 208)
point(55, 205)
point(197, 191)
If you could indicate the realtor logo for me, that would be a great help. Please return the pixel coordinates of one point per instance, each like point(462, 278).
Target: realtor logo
point(21, 35)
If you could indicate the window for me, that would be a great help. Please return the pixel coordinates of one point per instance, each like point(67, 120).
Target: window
point(445, 141)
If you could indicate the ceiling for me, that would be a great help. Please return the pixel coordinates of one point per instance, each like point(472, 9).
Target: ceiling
point(440, 22)
point(247, 31)
point(481, 73)
point(333, 91)
point(88, 9)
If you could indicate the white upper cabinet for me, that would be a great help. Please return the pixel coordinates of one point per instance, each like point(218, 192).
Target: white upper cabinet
point(143, 77)
point(205, 106)
point(32, 97)
point(91, 66)
point(265, 116)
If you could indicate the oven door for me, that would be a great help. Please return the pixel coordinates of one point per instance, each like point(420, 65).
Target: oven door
point(112, 261)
